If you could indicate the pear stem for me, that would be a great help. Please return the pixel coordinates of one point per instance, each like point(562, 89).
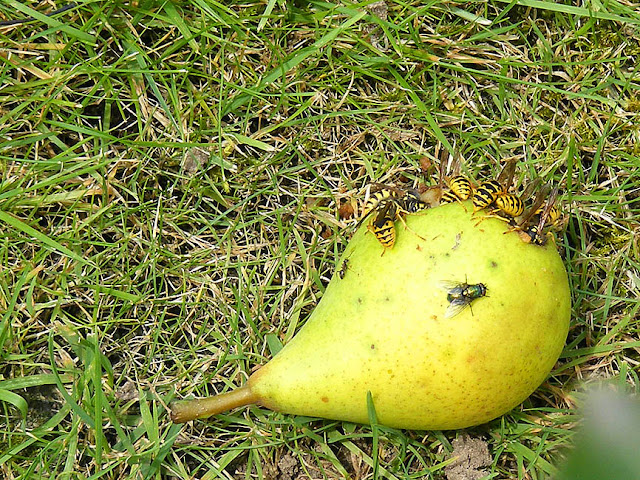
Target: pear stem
point(186, 410)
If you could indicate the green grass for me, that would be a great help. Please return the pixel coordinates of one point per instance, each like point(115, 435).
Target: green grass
point(171, 180)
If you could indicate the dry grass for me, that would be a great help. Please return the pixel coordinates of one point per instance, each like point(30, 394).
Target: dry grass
point(172, 177)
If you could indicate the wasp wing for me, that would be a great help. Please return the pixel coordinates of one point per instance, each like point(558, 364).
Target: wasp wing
point(387, 212)
point(535, 206)
point(547, 208)
point(531, 188)
point(506, 175)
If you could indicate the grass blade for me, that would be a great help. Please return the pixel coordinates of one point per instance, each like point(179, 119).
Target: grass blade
point(41, 238)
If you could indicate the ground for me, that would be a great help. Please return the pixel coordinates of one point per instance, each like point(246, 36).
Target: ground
point(178, 180)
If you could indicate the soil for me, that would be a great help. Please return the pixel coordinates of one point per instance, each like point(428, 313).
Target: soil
point(471, 455)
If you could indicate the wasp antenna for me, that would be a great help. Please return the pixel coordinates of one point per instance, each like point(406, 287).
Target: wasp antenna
point(442, 157)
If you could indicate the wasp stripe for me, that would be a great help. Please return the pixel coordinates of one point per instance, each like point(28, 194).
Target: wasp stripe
point(510, 204)
point(410, 202)
point(376, 199)
point(461, 187)
point(552, 217)
point(386, 233)
point(486, 194)
point(448, 197)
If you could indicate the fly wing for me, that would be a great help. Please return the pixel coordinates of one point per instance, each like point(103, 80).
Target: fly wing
point(450, 286)
point(455, 307)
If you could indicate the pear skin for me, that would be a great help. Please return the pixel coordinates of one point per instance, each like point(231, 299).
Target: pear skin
point(380, 327)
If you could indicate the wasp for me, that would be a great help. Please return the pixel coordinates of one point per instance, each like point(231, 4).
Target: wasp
point(388, 205)
point(461, 295)
point(448, 197)
point(376, 198)
point(553, 215)
point(509, 204)
point(407, 201)
point(410, 202)
point(486, 194)
point(545, 212)
point(460, 187)
point(512, 206)
point(489, 190)
point(548, 214)
point(383, 225)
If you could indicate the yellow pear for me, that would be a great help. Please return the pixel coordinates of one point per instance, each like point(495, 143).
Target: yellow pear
point(384, 325)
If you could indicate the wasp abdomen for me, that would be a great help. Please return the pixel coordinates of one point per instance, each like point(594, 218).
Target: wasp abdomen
point(383, 225)
point(385, 232)
point(448, 197)
point(376, 199)
point(553, 215)
point(510, 204)
point(486, 194)
point(461, 187)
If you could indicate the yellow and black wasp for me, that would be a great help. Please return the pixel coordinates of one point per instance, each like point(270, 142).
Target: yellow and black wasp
point(460, 187)
point(383, 225)
point(376, 198)
point(511, 207)
point(542, 212)
point(461, 295)
point(408, 201)
point(552, 212)
point(490, 190)
point(509, 204)
point(388, 205)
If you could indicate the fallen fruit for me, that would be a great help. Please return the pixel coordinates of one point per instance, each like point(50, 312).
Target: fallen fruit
point(380, 327)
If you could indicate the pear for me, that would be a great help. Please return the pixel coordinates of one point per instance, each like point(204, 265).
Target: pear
point(384, 327)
